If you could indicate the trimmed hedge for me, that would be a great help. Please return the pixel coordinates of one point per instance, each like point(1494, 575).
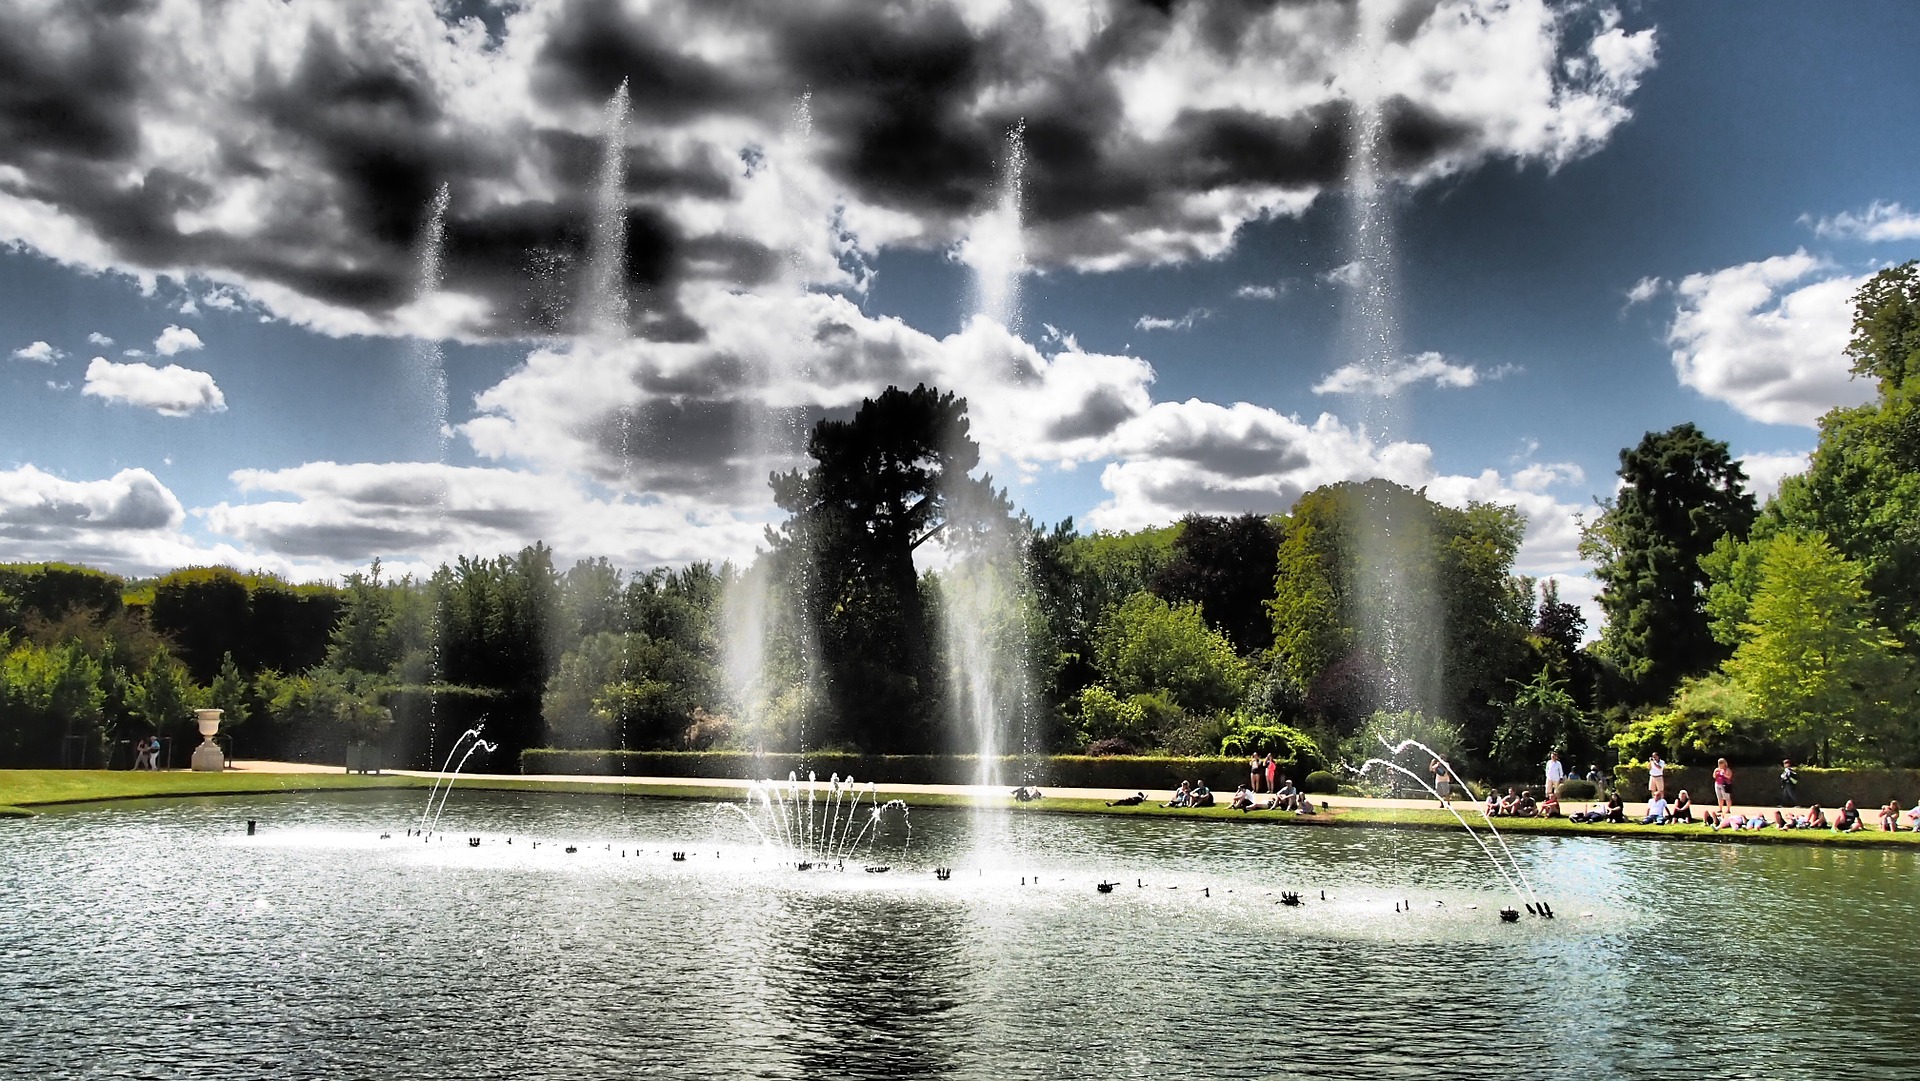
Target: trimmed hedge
point(1759, 785)
point(1070, 771)
point(1321, 783)
point(1576, 791)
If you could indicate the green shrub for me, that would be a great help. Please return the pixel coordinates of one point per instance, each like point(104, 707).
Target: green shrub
point(1320, 783)
point(1576, 790)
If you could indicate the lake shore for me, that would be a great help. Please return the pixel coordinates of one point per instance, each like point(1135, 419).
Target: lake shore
point(23, 790)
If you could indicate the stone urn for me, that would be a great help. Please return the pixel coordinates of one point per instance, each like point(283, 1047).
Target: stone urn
point(208, 757)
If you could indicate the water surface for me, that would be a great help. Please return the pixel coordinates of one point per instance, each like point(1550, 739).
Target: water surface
point(158, 939)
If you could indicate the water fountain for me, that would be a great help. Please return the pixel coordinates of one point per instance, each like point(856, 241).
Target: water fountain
point(984, 591)
point(822, 832)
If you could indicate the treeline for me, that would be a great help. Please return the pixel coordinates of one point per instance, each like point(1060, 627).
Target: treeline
point(1366, 612)
point(1790, 629)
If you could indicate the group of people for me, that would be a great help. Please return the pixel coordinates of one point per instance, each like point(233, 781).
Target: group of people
point(146, 753)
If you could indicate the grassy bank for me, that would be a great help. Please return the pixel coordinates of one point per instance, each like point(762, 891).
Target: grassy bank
point(24, 789)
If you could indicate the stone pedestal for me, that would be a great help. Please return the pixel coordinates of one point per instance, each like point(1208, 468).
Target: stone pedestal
point(208, 758)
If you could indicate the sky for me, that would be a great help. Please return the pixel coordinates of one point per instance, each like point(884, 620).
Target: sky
point(235, 329)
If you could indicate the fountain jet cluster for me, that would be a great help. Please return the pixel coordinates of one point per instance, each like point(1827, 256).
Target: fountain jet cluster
point(820, 829)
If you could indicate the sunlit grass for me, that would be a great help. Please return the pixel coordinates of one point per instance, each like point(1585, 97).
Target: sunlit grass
point(21, 790)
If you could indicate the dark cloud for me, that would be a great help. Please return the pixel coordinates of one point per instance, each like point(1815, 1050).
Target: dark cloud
point(350, 124)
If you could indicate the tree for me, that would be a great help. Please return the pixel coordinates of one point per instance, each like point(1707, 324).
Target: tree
point(880, 486)
point(1226, 566)
point(1862, 489)
point(1542, 717)
point(1817, 667)
point(1387, 600)
point(1148, 646)
point(1680, 493)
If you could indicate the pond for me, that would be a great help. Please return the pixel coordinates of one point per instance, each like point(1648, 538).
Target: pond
point(159, 939)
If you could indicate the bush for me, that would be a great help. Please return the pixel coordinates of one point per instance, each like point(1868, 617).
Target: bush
point(1576, 790)
point(1321, 783)
point(1104, 748)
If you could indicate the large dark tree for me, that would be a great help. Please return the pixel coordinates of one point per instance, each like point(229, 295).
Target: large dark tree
point(1227, 567)
point(881, 485)
point(1680, 492)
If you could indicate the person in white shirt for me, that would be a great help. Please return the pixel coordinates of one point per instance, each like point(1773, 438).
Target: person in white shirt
point(1555, 773)
point(1656, 812)
point(1656, 776)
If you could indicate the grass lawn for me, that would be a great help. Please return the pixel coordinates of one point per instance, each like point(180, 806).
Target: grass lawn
point(25, 788)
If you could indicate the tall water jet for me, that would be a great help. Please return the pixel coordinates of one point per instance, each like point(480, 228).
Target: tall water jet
point(426, 371)
point(604, 296)
point(767, 629)
point(1392, 582)
point(995, 246)
point(986, 605)
point(426, 368)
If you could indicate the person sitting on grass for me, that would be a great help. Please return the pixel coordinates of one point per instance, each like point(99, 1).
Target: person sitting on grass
point(1656, 812)
point(1682, 808)
point(1285, 798)
point(1024, 794)
point(1202, 795)
point(1890, 817)
point(1549, 807)
point(1848, 820)
point(1182, 797)
point(1242, 799)
point(1493, 804)
point(1913, 816)
point(1524, 807)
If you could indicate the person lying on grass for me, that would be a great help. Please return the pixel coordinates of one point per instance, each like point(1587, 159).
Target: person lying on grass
point(1734, 820)
point(1134, 800)
point(1814, 819)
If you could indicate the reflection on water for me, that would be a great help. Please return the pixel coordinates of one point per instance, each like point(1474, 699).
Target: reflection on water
point(159, 940)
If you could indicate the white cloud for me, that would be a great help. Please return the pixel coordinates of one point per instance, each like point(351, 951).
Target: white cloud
point(99, 339)
point(176, 340)
point(171, 391)
point(417, 514)
point(1880, 222)
point(1253, 291)
point(39, 352)
point(1766, 469)
point(1358, 378)
point(1753, 336)
point(1348, 275)
point(1645, 289)
point(1184, 322)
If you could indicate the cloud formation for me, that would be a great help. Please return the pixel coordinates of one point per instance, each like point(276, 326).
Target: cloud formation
point(1184, 322)
point(1359, 378)
point(38, 352)
point(290, 153)
point(176, 340)
point(172, 391)
point(1879, 223)
point(1767, 338)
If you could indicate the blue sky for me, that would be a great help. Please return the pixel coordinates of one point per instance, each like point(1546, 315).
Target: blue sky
point(1606, 220)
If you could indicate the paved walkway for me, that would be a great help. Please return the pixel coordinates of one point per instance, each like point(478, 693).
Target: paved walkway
point(1634, 810)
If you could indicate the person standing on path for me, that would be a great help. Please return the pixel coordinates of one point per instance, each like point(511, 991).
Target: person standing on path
point(1555, 773)
point(1656, 777)
point(1789, 797)
point(1723, 787)
point(1442, 781)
